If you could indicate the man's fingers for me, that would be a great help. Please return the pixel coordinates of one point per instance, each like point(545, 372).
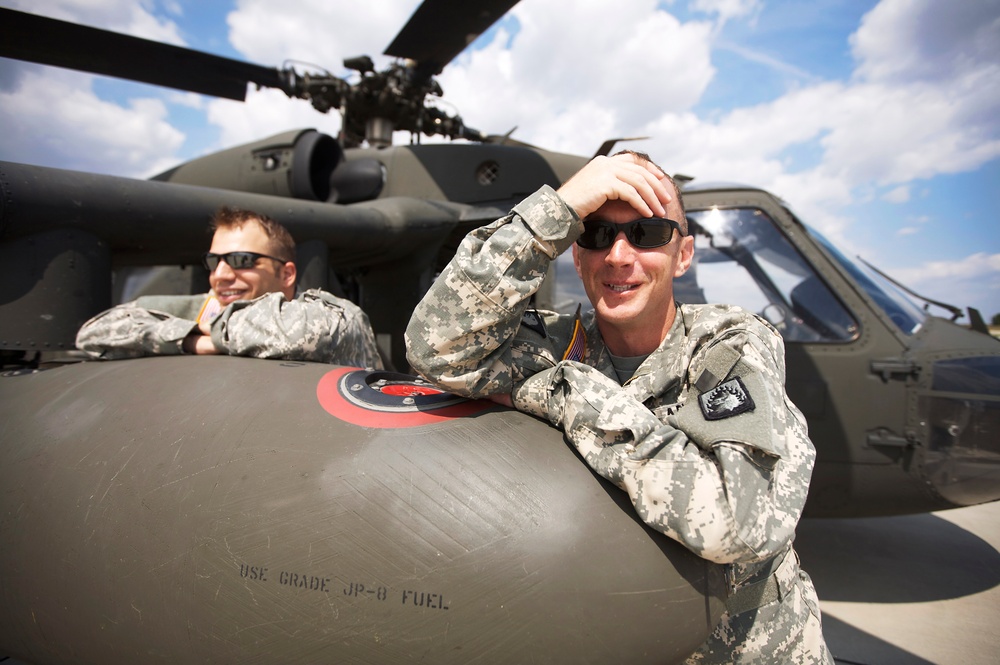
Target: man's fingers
point(618, 178)
point(645, 193)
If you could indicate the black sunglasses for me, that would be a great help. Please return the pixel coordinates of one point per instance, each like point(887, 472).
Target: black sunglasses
point(235, 260)
point(645, 233)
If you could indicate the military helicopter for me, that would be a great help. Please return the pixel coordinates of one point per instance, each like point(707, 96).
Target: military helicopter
point(227, 508)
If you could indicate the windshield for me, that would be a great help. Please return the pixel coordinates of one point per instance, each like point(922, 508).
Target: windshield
point(903, 311)
point(741, 258)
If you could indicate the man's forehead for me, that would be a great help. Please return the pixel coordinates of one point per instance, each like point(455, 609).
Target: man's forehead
point(615, 211)
point(621, 212)
point(249, 237)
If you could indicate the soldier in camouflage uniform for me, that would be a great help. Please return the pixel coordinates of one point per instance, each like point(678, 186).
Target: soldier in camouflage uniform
point(250, 311)
point(681, 406)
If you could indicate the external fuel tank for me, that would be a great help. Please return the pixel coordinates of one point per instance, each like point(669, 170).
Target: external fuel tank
point(224, 509)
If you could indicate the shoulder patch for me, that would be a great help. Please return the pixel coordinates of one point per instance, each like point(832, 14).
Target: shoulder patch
point(577, 348)
point(727, 399)
point(209, 310)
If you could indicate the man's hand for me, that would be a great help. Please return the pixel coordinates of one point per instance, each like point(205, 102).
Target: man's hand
point(199, 344)
point(618, 178)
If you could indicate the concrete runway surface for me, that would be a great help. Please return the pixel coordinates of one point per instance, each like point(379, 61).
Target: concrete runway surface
point(913, 590)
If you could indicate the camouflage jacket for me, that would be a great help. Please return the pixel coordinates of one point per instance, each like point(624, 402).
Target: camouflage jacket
point(316, 326)
point(703, 437)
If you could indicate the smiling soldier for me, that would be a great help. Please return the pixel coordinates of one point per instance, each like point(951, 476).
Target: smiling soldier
point(682, 406)
point(250, 311)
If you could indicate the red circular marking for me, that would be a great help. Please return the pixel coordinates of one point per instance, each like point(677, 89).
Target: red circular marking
point(328, 394)
point(406, 390)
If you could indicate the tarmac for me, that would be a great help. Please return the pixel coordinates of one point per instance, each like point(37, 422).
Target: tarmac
point(912, 590)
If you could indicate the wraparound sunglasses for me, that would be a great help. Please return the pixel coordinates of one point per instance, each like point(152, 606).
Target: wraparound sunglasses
point(235, 260)
point(644, 233)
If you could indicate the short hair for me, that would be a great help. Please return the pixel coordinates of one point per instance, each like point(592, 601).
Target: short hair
point(281, 241)
point(643, 157)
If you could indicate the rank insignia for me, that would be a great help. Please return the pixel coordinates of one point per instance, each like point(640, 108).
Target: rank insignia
point(727, 399)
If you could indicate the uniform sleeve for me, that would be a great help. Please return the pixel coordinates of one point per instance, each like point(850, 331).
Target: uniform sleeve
point(317, 326)
point(461, 333)
point(730, 490)
point(130, 331)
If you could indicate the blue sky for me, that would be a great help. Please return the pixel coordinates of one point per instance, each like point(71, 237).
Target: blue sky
point(879, 122)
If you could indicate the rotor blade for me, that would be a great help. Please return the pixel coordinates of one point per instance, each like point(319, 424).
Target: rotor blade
point(606, 147)
point(49, 41)
point(441, 29)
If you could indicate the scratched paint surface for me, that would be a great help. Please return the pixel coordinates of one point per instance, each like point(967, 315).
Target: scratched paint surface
point(171, 508)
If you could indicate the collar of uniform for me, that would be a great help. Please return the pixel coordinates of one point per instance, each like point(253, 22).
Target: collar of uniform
point(597, 354)
point(664, 367)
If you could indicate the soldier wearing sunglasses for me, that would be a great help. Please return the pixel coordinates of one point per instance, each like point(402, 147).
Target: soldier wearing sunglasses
point(251, 310)
point(681, 405)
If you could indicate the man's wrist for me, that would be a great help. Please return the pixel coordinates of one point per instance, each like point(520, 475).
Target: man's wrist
point(188, 343)
point(198, 344)
point(550, 220)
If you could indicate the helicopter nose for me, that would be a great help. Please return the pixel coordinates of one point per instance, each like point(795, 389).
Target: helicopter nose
point(961, 417)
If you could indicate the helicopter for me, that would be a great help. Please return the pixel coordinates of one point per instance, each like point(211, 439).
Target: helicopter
point(164, 508)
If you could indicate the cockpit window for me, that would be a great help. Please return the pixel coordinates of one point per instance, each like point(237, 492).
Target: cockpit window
point(897, 305)
point(740, 258)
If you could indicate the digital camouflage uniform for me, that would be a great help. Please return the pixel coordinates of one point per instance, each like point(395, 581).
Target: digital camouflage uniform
point(316, 326)
point(702, 438)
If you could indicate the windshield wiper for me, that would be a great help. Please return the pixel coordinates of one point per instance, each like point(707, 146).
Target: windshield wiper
point(956, 312)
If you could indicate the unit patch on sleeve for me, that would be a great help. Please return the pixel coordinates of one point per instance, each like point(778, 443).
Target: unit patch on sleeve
point(727, 399)
point(533, 321)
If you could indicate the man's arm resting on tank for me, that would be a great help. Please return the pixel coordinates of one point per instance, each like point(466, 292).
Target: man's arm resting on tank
point(130, 331)
point(726, 498)
point(317, 326)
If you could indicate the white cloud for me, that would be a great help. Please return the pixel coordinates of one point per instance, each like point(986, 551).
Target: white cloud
point(53, 118)
point(727, 9)
point(610, 74)
point(895, 134)
point(126, 16)
point(323, 33)
point(965, 282)
point(973, 266)
point(870, 134)
point(263, 114)
point(188, 99)
point(924, 40)
point(899, 194)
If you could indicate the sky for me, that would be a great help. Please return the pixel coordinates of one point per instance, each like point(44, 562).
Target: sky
point(878, 122)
